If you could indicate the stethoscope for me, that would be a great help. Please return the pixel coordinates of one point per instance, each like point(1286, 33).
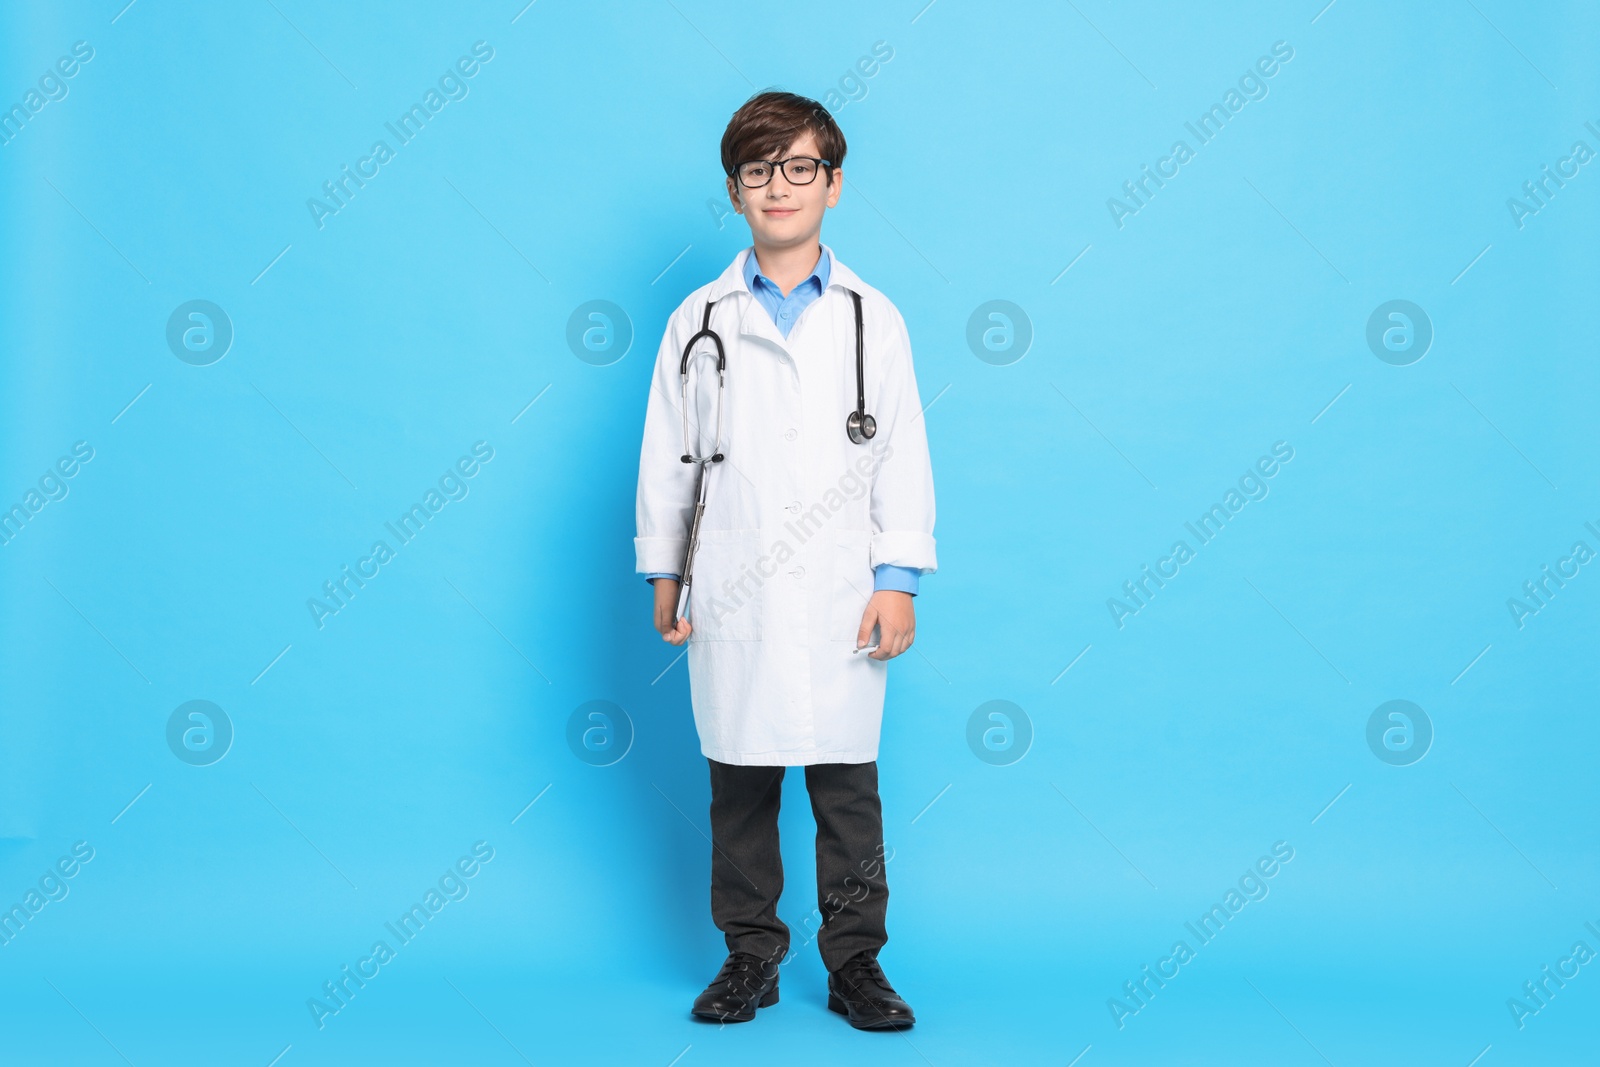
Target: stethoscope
point(859, 426)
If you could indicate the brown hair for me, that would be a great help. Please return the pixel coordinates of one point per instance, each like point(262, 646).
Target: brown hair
point(769, 122)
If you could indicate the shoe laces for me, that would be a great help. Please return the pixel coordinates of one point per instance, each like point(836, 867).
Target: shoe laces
point(861, 971)
point(739, 964)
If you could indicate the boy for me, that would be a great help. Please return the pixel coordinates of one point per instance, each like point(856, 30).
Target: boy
point(818, 521)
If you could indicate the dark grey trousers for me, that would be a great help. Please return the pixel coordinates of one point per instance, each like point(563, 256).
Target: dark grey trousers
point(747, 869)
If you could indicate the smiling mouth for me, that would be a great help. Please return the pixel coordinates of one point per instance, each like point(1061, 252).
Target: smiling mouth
point(780, 210)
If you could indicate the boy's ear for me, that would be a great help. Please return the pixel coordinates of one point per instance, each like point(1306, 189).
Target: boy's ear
point(835, 186)
point(733, 195)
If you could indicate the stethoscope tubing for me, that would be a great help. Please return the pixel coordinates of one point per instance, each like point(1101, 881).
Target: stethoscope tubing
point(859, 426)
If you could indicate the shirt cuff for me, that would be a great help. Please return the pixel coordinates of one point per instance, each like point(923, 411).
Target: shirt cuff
point(659, 574)
point(899, 579)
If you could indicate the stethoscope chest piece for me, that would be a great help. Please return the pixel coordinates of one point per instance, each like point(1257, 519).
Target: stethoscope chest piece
point(860, 426)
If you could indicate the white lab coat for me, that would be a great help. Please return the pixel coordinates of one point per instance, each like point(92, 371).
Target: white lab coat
point(797, 516)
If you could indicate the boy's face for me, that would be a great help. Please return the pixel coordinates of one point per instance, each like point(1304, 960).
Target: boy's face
point(782, 215)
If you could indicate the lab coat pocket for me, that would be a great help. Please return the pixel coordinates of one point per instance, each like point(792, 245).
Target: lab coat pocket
point(851, 584)
point(725, 595)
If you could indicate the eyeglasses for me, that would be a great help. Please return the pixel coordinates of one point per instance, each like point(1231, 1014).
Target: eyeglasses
point(797, 170)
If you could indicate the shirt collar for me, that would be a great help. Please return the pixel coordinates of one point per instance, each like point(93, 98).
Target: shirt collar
point(731, 279)
point(753, 275)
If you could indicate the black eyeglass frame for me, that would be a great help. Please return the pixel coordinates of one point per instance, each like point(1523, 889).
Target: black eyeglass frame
point(777, 165)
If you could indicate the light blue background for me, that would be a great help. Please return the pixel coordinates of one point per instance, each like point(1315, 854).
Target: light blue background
point(1228, 314)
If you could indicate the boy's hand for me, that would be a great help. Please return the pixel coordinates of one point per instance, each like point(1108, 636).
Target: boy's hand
point(892, 612)
point(674, 630)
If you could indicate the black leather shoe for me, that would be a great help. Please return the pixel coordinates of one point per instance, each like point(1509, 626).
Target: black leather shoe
point(745, 983)
point(859, 991)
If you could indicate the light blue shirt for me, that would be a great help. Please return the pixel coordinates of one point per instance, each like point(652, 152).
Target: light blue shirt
point(785, 312)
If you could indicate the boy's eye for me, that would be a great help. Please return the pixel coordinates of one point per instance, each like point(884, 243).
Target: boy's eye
point(756, 170)
point(800, 169)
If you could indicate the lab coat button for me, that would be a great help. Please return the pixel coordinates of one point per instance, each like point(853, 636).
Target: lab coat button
point(791, 434)
point(795, 507)
point(799, 572)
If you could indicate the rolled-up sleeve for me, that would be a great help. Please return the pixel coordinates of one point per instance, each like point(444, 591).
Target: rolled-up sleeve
point(902, 488)
point(665, 501)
